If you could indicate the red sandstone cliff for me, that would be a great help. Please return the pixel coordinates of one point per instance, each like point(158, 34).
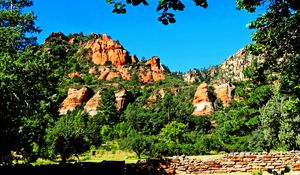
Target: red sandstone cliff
point(105, 50)
point(202, 103)
point(78, 97)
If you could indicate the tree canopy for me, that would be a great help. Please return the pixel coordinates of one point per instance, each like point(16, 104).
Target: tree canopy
point(165, 7)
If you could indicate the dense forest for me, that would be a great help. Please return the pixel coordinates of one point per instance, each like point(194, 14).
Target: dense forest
point(157, 119)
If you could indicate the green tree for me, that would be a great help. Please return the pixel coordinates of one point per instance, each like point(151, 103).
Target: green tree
point(16, 73)
point(72, 134)
point(277, 39)
point(17, 28)
point(137, 142)
point(173, 132)
point(280, 122)
point(107, 111)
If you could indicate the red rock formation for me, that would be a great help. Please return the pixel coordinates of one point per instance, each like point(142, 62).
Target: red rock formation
point(104, 71)
point(145, 75)
point(154, 63)
point(153, 72)
point(109, 74)
point(124, 72)
point(75, 74)
point(134, 59)
point(75, 97)
point(202, 104)
point(112, 75)
point(224, 92)
point(92, 70)
point(158, 75)
point(92, 104)
point(104, 50)
point(122, 99)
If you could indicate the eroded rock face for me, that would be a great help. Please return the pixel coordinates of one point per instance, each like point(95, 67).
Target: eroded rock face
point(109, 73)
point(190, 77)
point(105, 50)
point(224, 92)
point(123, 97)
point(154, 63)
point(153, 72)
point(91, 106)
point(234, 66)
point(79, 96)
point(202, 103)
point(134, 59)
point(75, 97)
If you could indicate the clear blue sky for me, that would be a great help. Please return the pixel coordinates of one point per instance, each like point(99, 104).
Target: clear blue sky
point(200, 37)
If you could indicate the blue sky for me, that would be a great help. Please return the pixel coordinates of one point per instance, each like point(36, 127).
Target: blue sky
point(200, 37)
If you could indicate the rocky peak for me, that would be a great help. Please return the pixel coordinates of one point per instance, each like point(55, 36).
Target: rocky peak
point(56, 35)
point(104, 50)
point(191, 76)
point(154, 63)
point(232, 68)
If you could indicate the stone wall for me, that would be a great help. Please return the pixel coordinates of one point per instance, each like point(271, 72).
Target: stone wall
point(236, 162)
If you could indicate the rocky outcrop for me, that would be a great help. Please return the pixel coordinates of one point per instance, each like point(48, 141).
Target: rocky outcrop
point(190, 77)
point(123, 97)
point(78, 97)
point(134, 59)
point(224, 92)
point(202, 103)
point(149, 73)
point(93, 103)
point(75, 74)
point(104, 50)
point(153, 71)
point(232, 69)
point(154, 63)
point(75, 97)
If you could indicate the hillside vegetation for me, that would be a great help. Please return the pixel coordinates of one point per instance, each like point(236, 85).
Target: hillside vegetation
point(76, 93)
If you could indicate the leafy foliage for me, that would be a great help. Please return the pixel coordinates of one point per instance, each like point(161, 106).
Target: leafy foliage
point(72, 134)
point(164, 7)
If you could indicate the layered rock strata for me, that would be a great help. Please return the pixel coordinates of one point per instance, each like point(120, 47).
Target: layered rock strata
point(75, 97)
point(104, 50)
point(78, 97)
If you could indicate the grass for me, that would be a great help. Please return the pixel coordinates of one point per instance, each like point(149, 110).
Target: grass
point(113, 155)
point(100, 155)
